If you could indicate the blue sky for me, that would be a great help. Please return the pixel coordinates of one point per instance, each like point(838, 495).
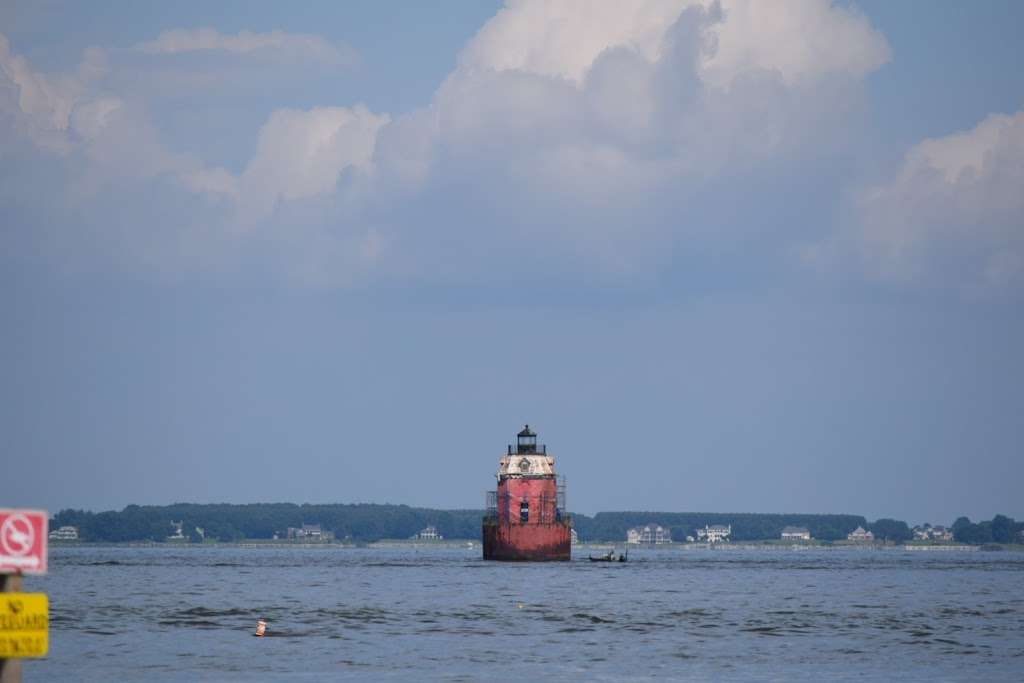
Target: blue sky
point(724, 257)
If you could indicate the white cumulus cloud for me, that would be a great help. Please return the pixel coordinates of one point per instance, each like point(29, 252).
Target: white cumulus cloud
point(562, 39)
point(43, 104)
point(800, 39)
point(954, 211)
point(299, 154)
point(277, 43)
point(595, 130)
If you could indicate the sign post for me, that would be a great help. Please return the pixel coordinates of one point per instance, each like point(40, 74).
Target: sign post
point(24, 617)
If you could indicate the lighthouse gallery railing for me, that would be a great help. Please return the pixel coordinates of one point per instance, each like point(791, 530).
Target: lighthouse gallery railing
point(550, 508)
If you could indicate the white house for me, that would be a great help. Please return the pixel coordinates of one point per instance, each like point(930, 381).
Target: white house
point(714, 533)
point(795, 533)
point(178, 534)
point(927, 532)
point(65, 533)
point(429, 534)
point(859, 535)
point(654, 534)
point(309, 532)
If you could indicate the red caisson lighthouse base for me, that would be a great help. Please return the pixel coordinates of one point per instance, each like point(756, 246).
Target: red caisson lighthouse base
point(526, 518)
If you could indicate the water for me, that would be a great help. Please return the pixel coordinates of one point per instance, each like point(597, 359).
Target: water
point(440, 613)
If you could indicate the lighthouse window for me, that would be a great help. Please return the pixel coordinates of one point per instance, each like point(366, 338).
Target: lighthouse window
point(524, 511)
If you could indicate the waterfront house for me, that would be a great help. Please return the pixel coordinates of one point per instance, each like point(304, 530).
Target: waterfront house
point(309, 532)
point(795, 533)
point(714, 533)
point(574, 538)
point(65, 533)
point(178, 534)
point(651, 534)
point(859, 535)
point(428, 534)
point(927, 532)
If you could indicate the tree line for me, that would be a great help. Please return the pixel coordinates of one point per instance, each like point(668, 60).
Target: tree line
point(366, 523)
point(1001, 529)
point(361, 523)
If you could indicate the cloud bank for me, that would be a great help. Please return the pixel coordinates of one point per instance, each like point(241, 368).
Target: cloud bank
point(582, 141)
point(953, 211)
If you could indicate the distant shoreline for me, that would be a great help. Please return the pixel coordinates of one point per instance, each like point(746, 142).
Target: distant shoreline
point(468, 544)
point(362, 524)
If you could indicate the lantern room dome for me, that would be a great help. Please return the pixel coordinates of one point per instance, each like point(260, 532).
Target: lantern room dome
point(526, 442)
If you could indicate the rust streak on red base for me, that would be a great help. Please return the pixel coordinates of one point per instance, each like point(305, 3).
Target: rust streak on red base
point(528, 542)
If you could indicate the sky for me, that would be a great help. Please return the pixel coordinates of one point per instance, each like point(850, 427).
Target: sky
point(723, 256)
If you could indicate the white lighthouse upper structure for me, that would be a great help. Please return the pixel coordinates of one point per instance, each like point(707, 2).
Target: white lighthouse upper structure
point(527, 458)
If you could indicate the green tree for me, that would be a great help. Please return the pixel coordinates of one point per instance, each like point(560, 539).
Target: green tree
point(1002, 529)
point(891, 530)
point(975, 534)
point(961, 529)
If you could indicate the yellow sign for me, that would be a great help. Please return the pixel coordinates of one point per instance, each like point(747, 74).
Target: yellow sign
point(24, 625)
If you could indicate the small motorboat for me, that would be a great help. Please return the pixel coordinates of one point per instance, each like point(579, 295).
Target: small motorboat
point(610, 556)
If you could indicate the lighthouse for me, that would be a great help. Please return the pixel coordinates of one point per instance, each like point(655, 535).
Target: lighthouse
point(526, 517)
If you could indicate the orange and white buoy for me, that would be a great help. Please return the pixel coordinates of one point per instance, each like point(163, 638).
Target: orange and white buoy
point(261, 627)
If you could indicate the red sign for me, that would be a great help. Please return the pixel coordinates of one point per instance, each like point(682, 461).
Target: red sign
point(23, 541)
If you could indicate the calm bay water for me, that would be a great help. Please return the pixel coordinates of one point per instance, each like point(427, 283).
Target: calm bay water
point(441, 613)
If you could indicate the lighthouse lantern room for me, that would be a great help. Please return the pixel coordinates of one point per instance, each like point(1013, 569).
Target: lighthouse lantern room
point(526, 517)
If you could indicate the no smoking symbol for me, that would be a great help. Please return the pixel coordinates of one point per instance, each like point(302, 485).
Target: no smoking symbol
point(17, 535)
